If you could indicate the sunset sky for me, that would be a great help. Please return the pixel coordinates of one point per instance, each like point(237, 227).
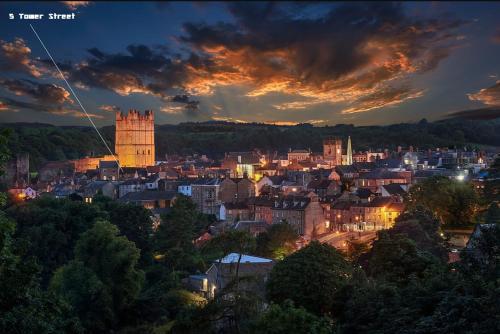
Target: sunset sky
point(320, 62)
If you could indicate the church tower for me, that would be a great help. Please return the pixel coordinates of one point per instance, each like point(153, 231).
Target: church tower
point(349, 151)
point(135, 139)
point(332, 151)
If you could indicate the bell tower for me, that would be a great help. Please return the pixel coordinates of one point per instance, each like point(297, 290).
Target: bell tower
point(332, 151)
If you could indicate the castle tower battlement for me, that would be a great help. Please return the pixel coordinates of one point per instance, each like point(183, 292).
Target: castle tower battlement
point(135, 138)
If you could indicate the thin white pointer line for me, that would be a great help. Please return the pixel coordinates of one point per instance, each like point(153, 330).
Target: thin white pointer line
point(76, 97)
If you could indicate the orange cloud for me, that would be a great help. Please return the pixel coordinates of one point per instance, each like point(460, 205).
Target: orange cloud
point(73, 5)
point(172, 109)
point(330, 59)
point(75, 113)
point(110, 108)
point(3, 106)
point(384, 98)
point(489, 96)
point(16, 56)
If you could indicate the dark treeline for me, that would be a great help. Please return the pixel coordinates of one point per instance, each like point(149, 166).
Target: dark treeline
point(48, 143)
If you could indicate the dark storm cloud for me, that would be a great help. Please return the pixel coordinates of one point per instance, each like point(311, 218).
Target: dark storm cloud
point(44, 93)
point(476, 114)
point(190, 105)
point(342, 55)
point(9, 104)
point(142, 69)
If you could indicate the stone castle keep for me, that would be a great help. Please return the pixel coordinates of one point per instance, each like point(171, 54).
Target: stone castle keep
point(135, 139)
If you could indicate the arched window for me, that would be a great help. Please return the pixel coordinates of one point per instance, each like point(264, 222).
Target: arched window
point(149, 152)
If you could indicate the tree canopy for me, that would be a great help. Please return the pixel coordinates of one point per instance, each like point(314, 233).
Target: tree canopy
point(310, 278)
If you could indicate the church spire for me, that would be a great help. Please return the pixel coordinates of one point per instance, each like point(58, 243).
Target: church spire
point(349, 151)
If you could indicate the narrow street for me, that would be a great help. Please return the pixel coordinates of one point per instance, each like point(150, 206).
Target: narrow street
point(339, 239)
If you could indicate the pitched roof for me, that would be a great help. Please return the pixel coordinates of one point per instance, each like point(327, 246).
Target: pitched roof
point(394, 189)
point(206, 182)
point(245, 157)
point(260, 201)
point(364, 192)
point(364, 165)
point(276, 179)
point(341, 205)
point(291, 203)
point(268, 166)
point(381, 173)
point(377, 202)
point(246, 225)
point(347, 169)
point(388, 163)
point(319, 184)
point(233, 258)
point(396, 206)
point(131, 182)
point(152, 178)
point(148, 195)
point(236, 206)
point(108, 164)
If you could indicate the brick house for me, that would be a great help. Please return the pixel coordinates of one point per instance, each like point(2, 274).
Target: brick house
point(260, 208)
point(323, 188)
point(303, 212)
point(236, 190)
point(379, 177)
point(206, 194)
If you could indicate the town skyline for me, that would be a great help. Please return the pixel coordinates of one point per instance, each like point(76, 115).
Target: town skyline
point(362, 64)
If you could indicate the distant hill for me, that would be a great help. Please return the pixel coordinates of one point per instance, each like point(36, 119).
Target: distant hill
point(47, 142)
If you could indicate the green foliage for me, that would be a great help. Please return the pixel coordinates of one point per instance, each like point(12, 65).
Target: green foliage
point(424, 229)
point(491, 191)
point(235, 310)
point(455, 203)
point(86, 293)
point(24, 307)
point(289, 319)
point(50, 143)
point(178, 300)
point(355, 250)
point(103, 278)
point(113, 258)
point(396, 258)
point(49, 229)
point(4, 148)
point(492, 215)
point(410, 249)
point(310, 278)
point(134, 222)
point(483, 255)
point(175, 235)
point(277, 242)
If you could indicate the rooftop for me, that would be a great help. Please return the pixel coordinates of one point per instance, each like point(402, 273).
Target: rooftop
point(148, 195)
point(233, 258)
